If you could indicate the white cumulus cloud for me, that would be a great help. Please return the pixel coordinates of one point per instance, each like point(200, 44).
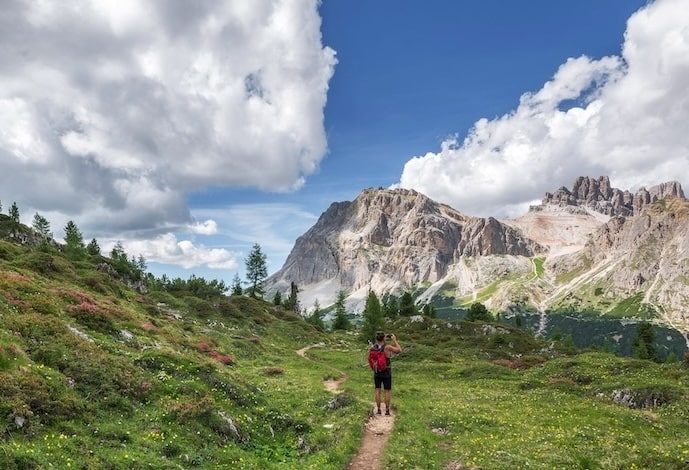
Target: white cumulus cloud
point(128, 106)
point(622, 116)
point(167, 249)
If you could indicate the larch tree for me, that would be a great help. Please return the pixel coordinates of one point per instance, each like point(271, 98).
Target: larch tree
point(316, 317)
point(256, 271)
point(391, 308)
point(74, 240)
point(373, 317)
point(341, 321)
point(277, 298)
point(14, 212)
point(236, 288)
point(407, 305)
point(93, 249)
point(41, 225)
point(292, 302)
point(478, 312)
point(643, 344)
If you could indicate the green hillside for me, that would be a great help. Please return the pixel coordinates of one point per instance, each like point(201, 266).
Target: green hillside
point(95, 374)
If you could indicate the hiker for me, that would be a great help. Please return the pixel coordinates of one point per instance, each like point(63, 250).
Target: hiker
point(383, 378)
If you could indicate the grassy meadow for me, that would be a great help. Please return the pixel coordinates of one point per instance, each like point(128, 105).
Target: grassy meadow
point(95, 375)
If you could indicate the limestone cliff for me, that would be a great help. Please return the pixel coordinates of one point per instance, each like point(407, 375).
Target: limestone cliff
point(598, 195)
point(592, 247)
point(388, 239)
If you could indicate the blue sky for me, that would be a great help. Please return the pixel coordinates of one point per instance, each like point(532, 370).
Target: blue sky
point(190, 131)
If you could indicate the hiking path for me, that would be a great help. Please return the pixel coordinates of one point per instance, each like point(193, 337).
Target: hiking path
point(377, 428)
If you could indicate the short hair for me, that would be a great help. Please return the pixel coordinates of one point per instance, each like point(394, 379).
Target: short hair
point(380, 335)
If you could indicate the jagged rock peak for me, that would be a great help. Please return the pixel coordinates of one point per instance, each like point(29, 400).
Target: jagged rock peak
point(597, 194)
point(388, 237)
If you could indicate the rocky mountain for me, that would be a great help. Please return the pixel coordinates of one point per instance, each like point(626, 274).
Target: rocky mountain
point(389, 240)
point(598, 195)
point(592, 247)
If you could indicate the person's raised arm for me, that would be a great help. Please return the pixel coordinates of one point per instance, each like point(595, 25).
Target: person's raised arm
point(396, 348)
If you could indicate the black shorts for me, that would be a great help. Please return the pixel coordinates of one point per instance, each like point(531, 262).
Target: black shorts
point(383, 380)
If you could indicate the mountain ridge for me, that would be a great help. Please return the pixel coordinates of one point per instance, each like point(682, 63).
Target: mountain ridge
point(392, 240)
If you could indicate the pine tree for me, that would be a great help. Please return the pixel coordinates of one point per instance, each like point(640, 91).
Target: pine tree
point(407, 306)
point(73, 237)
point(479, 312)
point(643, 345)
point(92, 248)
point(316, 317)
point(141, 263)
point(237, 285)
point(292, 302)
point(120, 260)
point(256, 271)
point(14, 212)
point(373, 317)
point(74, 240)
point(341, 321)
point(117, 252)
point(277, 298)
point(391, 308)
point(41, 225)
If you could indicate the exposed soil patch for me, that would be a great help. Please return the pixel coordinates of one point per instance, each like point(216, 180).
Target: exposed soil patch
point(377, 431)
point(333, 385)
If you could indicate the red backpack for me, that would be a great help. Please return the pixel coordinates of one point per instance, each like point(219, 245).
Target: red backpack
point(377, 359)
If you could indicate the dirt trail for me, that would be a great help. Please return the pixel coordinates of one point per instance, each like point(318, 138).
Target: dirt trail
point(377, 428)
point(377, 431)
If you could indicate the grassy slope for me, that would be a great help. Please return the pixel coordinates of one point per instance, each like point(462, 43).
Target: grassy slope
point(162, 382)
point(109, 378)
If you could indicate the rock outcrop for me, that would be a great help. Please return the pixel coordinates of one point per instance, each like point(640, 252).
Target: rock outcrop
point(598, 195)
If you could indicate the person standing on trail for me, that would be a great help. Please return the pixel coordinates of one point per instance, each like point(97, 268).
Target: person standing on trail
point(383, 378)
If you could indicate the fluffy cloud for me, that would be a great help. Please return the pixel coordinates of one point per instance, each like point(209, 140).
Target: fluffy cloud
point(125, 107)
point(625, 117)
point(167, 249)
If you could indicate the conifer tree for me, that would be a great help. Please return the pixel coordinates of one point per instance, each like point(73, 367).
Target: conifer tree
point(479, 312)
point(14, 212)
point(373, 317)
point(74, 240)
point(237, 285)
point(341, 321)
point(316, 317)
point(277, 298)
point(256, 271)
point(73, 237)
point(643, 345)
point(391, 308)
point(292, 302)
point(141, 263)
point(92, 248)
point(407, 306)
point(41, 225)
point(117, 252)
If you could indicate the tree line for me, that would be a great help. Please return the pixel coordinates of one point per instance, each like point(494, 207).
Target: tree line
point(134, 268)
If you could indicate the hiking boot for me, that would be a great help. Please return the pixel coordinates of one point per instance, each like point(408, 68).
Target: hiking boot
point(387, 412)
point(378, 410)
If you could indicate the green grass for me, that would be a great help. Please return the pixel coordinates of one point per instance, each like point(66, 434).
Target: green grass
point(556, 414)
point(629, 307)
point(96, 375)
point(539, 269)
